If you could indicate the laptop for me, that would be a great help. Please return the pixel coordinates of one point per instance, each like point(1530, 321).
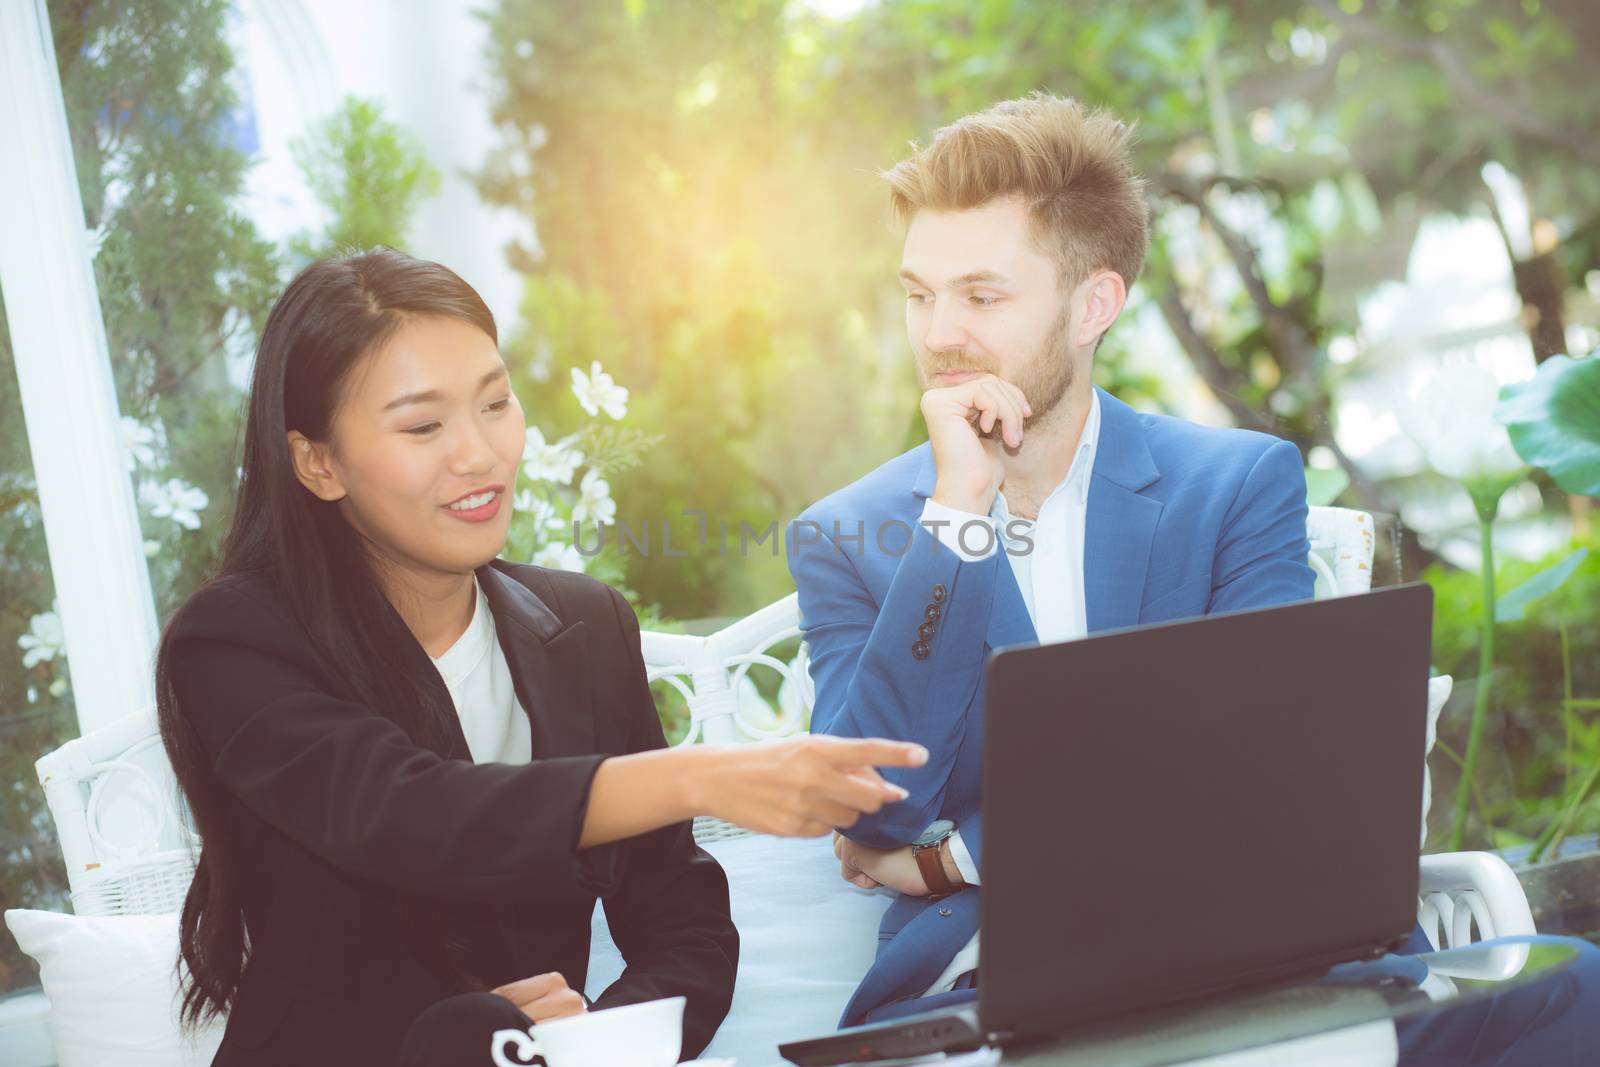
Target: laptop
point(1186, 811)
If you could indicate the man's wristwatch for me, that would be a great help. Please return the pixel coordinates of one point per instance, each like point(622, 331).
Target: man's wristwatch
point(928, 851)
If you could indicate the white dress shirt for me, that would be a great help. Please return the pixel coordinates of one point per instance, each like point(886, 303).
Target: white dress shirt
point(475, 672)
point(1050, 578)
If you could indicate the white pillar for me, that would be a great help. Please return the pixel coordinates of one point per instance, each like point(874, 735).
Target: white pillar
point(69, 400)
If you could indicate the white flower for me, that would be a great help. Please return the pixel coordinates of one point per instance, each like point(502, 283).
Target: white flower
point(594, 503)
point(1450, 416)
point(559, 557)
point(95, 238)
point(549, 462)
point(143, 446)
point(528, 502)
point(174, 499)
point(44, 641)
point(597, 390)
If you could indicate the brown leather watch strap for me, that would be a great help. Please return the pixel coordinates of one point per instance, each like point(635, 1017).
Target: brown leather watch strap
point(931, 864)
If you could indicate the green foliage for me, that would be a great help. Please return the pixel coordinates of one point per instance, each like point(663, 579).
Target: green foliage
point(1510, 607)
point(1323, 485)
point(701, 235)
point(1535, 747)
point(1554, 421)
point(614, 449)
point(369, 175)
point(712, 232)
point(687, 169)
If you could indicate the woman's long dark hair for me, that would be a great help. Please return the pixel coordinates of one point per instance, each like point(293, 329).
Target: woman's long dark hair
point(333, 314)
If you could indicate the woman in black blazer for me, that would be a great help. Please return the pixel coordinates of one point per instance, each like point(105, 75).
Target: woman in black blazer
point(367, 892)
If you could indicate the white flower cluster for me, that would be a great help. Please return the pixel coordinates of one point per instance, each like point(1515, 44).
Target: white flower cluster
point(145, 450)
point(558, 557)
point(174, 499)
point(1450, 415)
point(594, 503)
point(160, 495)
point(549, 462)
point(558, 505)
point(44, 642)
point(142, 446)
point(597, 392)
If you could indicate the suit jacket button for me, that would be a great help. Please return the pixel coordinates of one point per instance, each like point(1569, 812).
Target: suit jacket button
point(945, 913)
point(938, 594)
point(920, 650)
point(926, 630)
point(933, 612)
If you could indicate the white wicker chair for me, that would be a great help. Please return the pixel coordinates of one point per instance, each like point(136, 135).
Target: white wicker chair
point(123, 827)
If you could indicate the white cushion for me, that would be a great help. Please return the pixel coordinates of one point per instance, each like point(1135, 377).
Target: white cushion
point(112, 988)
point(806, 939)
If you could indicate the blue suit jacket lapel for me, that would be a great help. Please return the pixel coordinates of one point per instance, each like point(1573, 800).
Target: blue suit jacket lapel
point(1120, 525)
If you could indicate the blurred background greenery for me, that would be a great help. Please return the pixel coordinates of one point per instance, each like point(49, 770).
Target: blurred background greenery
point(696, 186)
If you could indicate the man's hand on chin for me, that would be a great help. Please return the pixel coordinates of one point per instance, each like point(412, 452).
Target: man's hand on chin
point(871, 867)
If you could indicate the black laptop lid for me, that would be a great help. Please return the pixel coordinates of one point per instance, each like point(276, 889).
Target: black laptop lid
point(1176, 810)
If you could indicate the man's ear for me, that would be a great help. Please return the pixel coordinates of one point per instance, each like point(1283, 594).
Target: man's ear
point(1103, 294)
point(311, 466)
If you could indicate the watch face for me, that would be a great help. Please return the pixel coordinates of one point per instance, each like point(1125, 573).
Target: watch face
point(936, 831)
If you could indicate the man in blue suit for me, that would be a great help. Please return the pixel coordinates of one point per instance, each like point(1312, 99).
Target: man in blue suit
point(1040, 509)
point(1106, 517)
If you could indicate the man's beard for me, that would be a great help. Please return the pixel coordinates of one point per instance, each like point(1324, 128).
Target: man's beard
point(1044, 378)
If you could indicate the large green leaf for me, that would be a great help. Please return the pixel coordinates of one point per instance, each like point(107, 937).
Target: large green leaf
point(1554, 421)
point(1510, 607)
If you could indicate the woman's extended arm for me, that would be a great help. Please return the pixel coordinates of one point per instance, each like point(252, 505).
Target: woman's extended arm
point(797, 787)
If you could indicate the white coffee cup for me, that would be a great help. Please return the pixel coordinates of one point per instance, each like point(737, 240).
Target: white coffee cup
point(635, 1035)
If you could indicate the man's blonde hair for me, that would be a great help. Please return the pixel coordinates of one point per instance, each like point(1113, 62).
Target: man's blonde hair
point(1070, 166)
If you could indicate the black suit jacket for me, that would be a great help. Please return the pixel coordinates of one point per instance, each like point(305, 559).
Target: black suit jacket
point(358, 848)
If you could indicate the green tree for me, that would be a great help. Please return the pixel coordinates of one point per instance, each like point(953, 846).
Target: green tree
point(1426, 94)
point(680, 178)
point(368, 174)
point(1386, 109)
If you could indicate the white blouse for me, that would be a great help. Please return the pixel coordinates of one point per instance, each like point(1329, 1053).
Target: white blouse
point(475, 671)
